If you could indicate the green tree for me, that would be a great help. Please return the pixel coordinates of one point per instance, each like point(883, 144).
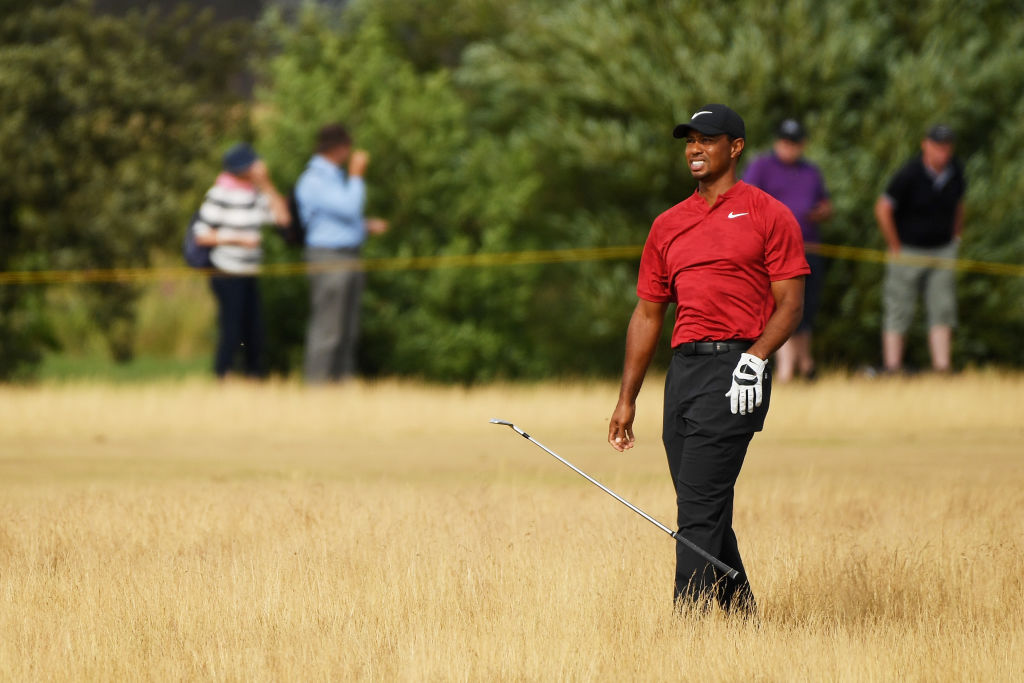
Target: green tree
point(444, 191)
point(595, 90)
point(547, 125)
point(109, 128)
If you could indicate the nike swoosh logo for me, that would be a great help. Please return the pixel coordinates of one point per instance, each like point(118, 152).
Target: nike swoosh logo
point(699, 113)
point(737, 215)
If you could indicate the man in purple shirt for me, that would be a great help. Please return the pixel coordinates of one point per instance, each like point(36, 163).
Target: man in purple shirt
point(797, 183)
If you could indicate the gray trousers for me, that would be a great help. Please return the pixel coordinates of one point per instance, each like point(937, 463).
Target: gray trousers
point(335, 294)
point(908, 276)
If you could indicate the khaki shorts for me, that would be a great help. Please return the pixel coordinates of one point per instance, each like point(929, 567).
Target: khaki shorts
point(907, 277)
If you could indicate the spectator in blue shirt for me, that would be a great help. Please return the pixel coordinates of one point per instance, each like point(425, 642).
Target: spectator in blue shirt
point(331, 205)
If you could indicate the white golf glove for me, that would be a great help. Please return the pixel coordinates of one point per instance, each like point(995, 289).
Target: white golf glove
point(745, 393)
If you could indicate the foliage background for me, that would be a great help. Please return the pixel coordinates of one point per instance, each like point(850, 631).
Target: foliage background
point(499, 126)
point(110, 126)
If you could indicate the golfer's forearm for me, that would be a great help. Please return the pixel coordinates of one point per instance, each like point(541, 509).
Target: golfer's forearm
point(633, 378)
point(958, 221)
point(789, 309)
point(641, 342)
point(778, 329)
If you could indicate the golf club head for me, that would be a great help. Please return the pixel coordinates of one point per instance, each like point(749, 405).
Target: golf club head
point(496, 421)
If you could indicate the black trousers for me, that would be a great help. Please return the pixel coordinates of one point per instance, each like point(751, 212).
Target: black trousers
point(812, 290)
point(239, 323)
point(706, 445)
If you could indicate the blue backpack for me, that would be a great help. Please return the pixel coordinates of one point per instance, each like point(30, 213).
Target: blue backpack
point(196, 255)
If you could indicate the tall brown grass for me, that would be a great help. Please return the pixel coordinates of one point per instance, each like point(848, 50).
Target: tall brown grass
point(387, 532)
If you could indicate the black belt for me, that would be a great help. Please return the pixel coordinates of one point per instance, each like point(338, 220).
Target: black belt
point(712, 348)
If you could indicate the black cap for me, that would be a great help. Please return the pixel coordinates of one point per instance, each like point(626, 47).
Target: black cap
point(239, 158)
point(941, 133)
point(791, 130)
point(713, 119)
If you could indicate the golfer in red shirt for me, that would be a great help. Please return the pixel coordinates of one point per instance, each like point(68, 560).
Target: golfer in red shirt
point(731, 258)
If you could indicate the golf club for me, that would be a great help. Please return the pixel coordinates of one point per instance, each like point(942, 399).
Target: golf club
point(729, 571)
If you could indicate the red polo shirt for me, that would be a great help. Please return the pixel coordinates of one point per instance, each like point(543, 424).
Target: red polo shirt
point(717, 263)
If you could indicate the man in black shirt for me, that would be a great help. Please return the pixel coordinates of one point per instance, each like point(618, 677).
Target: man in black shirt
point(921, 218)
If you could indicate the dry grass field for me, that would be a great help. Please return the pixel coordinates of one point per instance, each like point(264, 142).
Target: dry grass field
point(189, 531)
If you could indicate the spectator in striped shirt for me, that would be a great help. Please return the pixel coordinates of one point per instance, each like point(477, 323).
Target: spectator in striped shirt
point(242, 200)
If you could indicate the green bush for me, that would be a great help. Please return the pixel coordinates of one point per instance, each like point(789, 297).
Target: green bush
point(547, 125)
point(494, 127)
point(445, 191)
point(110, 126)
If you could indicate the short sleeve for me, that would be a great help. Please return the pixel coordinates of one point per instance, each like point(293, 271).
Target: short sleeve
point(653, 282)
point(898, 186)
point(784, 247)
point(207, 218)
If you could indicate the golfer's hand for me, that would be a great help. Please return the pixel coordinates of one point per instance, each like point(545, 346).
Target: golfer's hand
point(745, 393)
point(620, 428)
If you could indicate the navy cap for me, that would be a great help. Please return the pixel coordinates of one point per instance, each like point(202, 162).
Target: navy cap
point(791, 130)
point(941, 133)
point(239, 158)
point(713, 119)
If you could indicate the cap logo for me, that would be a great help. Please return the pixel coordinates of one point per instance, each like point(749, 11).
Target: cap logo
point(699, 113)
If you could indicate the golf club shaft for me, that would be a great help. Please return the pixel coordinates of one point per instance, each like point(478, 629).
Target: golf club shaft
point(729, 571)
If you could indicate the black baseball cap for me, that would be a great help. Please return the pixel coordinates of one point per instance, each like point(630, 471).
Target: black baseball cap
point(791, 130)
point(713, 119)
point(940, 132)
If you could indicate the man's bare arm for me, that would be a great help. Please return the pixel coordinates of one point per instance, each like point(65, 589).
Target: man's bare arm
point(789, 308)
point(887, 224)
point(641, 341)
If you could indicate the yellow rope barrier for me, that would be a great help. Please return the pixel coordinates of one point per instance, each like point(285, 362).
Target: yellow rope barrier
point(406, 263)
point(845, 253)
